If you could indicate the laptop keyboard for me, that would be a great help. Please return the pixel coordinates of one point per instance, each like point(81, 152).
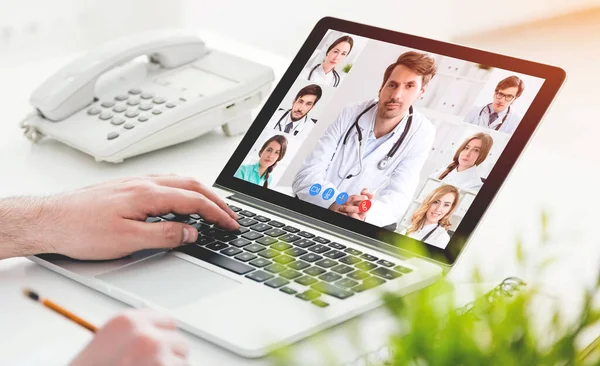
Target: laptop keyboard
point(275, 254)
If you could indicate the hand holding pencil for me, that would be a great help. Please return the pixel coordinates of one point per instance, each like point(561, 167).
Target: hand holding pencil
point(140, 337)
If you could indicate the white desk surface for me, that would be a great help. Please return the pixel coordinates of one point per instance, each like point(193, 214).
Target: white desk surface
point(30, 333)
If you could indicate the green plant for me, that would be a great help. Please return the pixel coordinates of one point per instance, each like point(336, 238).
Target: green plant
point(432, 332)
point(506, 331)
point(497, 333)
point(347, 68)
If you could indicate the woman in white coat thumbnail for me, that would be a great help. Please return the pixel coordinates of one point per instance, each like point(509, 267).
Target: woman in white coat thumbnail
point(462, 172)
point(325, 73)
point(431, 221)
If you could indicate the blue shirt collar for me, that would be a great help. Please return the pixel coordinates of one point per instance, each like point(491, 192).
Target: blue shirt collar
point(491, 108)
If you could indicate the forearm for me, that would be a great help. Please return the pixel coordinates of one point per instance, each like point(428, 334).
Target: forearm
point(23, 222)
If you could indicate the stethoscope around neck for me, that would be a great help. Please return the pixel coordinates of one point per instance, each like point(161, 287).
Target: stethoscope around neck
point(489, 108)
point(383, 163)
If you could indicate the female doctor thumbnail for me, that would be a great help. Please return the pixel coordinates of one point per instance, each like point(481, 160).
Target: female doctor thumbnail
point(272, 151)
point(325, 73)
point(462, 172)
point(431, 221)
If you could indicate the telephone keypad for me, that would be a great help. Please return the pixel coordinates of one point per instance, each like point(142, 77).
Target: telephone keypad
point(138, 101)
point(106, 115)
point(117, 121)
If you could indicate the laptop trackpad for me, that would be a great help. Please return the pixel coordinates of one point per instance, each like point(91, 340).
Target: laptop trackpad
point(168, 281)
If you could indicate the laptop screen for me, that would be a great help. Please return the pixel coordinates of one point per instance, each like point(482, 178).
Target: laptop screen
point(399, 138)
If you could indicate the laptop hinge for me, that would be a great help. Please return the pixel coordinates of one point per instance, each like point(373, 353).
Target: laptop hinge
point(322, 226)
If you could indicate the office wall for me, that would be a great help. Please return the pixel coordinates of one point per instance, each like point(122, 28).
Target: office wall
point(282, 26)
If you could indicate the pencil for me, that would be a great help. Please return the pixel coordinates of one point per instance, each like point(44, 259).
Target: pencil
point(59, 309)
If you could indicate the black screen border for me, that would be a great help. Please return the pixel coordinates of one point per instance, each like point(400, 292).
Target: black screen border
point(554, 78)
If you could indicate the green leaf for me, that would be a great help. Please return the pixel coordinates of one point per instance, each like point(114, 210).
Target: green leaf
point(520, 256)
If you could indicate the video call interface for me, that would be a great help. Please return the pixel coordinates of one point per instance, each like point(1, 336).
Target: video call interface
point(396, 137)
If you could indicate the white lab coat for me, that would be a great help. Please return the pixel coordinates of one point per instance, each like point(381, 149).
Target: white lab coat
point(318, 76)
point(509, 126)
point(301, 127)
point(439, 237)
point(469, 179)
point(394, 186)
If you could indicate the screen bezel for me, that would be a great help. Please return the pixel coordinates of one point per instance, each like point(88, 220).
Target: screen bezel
point(553, 76)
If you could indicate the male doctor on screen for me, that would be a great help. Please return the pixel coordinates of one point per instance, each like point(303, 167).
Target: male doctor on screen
point(375, 149)
point(295, 121)
point(499, 115)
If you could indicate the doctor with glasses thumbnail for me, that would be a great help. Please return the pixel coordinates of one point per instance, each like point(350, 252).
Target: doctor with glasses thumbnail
point(499, 115)
point(377, 146)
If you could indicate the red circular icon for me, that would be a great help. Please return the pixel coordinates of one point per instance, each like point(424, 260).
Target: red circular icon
point(364, 206)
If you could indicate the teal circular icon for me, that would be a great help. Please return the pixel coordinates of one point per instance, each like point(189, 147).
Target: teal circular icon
point(314, 189)
point(341, 198)
point(328, 193)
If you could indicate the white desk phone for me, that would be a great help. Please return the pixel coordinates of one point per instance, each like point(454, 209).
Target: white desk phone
point(145, 92)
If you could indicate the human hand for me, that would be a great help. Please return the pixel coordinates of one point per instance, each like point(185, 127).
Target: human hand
point(107, 220)
point(351, 206)
point(138, 337)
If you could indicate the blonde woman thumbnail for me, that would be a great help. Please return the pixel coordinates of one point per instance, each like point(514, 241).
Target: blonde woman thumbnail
point(431, 221)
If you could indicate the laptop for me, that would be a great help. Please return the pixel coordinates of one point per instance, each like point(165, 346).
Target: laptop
point(351, 182)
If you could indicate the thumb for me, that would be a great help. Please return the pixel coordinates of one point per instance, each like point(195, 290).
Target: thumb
point(165, 234)
point(366, 192)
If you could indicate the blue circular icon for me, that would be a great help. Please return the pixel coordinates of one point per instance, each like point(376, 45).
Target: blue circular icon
point(341, 198)
point(314, 189)
point(328, 193)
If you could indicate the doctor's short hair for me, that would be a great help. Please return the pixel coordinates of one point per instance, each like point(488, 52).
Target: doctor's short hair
point(511, 81)
point(420, 63)
point(312, 89)
point(340, 40)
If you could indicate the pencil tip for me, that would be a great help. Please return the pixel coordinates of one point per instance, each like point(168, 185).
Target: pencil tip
point(32, 295)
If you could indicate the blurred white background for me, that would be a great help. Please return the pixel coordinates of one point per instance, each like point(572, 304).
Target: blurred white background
point(52, 27)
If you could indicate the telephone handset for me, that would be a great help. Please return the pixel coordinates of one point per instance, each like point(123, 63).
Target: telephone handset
point(112, 105)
